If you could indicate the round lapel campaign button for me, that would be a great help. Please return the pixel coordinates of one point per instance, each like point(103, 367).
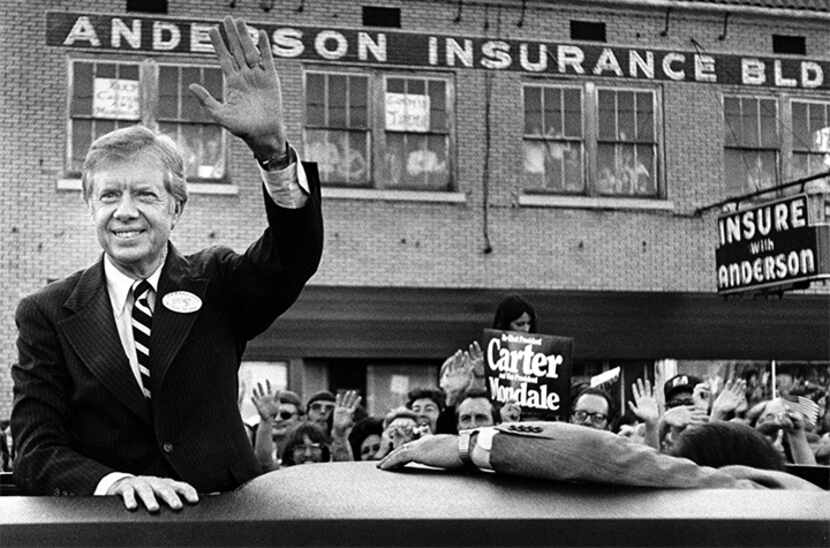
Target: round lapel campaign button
point(183, 302)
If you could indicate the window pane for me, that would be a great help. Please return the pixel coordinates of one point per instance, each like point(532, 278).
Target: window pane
point(625, 108)
point(816, 124)
point(533, 110)
point(337, 101)
point(358, 110)
point(416, 87)
point(435, 162)
point(355, 162)
point(769, 123)
point(534, 164)
point(128, 72)
point(191, 109)
point(81, 139)
point(731, 121)
point(81, 89)
point(416, 160)
point(191, 148)
point(553, 112)
point(644, 170)
point(645, 117)
point(573, 112)
point(315, 100)
point(802, 134)
point(749, 123)
point(437, 105)
point(168, 105)
point(101, 127)
point(212, 81)
point(105, 70)
point(319, 149)
point(620, 170)
point(574, 181)
point(395, 85)
point(607, 118)
point(748, 171)
point(211, 158)
point(394, 158)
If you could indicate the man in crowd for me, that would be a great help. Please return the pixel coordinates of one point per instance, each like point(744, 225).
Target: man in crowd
point(475, 410)
point(427, 404)
point(678, 390)
point(319, 410)
point(127, 376)
point(593, 408)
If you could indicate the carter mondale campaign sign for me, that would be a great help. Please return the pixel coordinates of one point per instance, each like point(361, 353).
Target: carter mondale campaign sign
point(771, 246)
point(532, 369)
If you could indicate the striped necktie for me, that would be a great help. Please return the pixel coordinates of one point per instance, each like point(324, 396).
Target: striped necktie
point(142, 322)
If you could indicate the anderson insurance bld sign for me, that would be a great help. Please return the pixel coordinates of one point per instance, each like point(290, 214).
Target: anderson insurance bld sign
point(771, 246)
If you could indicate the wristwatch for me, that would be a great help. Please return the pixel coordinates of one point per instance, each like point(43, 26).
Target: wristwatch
point(273, 164)
point(464, 446)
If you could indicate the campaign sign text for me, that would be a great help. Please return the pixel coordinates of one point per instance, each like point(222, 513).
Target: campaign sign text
point(531, 369)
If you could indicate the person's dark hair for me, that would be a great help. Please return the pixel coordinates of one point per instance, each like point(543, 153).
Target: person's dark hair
point(4, 452)
point(612, 410)
point(433, 394)
point(296, 437)
point(478, 393)
point(720, 443)
point(362, 430)
point(511, 308)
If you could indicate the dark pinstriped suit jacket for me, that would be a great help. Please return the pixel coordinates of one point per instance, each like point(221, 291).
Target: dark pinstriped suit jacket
point(78, 412)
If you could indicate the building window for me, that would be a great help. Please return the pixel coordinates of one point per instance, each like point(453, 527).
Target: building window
point(417, 133)
point(400, 139)
point(591, 140)
point(811, 137)
point(109, 95)
point(553, 139)
point(751, 143)
point(337, 134)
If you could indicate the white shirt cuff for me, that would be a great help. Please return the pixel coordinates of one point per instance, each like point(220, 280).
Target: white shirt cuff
point(480, 455)
point(288, 187)
point(108, 481)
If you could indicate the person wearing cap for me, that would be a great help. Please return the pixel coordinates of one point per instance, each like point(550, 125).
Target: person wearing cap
point(319, 408)
point(278, 412)
point(679, 389)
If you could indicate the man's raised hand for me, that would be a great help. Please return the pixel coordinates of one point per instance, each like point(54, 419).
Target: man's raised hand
point(644, 405)
point(345, 405)
point(252, 107)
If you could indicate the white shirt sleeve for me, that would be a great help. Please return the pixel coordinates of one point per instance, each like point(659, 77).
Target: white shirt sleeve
point(288, 187)
point(108, 481)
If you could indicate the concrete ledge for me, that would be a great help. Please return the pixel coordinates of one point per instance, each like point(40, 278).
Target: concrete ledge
point(393, 195)
point(591, 202)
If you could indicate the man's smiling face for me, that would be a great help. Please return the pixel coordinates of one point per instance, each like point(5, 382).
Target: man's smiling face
point(133, 213)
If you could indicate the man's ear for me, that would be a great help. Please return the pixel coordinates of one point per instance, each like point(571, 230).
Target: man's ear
point(178, 208)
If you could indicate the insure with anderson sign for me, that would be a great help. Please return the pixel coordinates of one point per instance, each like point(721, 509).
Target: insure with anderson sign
point(754, 247)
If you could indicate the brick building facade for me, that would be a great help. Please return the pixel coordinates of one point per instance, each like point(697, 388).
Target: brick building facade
point(456, 169)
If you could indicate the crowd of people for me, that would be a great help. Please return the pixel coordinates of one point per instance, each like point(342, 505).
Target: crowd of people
point(791, 428)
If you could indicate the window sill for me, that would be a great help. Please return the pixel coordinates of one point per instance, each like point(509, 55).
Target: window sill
point(590, 202)
point(393, 195)
point(192, 188)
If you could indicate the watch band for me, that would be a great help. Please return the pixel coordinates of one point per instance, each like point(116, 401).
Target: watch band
point(272, 164)
point(464, 446)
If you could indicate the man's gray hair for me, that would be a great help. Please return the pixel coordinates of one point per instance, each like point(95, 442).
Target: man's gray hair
point(127, 143)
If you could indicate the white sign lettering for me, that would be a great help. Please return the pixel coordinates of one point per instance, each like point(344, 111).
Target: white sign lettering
point(407, 112)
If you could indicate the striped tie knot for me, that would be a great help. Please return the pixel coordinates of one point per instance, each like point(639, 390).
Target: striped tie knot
point(142, 324)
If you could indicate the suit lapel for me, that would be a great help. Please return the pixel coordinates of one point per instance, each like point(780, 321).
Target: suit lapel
point(92, 333)
point(170, 328)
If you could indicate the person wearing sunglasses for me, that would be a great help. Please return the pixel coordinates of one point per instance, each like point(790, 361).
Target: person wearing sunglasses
point(279, 411)
point(306, 444)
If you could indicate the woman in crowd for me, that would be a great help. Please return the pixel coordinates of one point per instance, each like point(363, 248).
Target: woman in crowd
point(306, 444)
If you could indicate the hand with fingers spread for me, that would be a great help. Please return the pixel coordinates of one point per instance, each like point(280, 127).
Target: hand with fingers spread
point(266, 401)
point(644, 405)
point(685, 415)
point(456, 376)
point(345, 405)
point(439, 450)
point(149, 489)
point(729, 399)
point(252, 108)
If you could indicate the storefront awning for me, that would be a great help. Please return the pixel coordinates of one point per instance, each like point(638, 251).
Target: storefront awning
point(430, 323)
